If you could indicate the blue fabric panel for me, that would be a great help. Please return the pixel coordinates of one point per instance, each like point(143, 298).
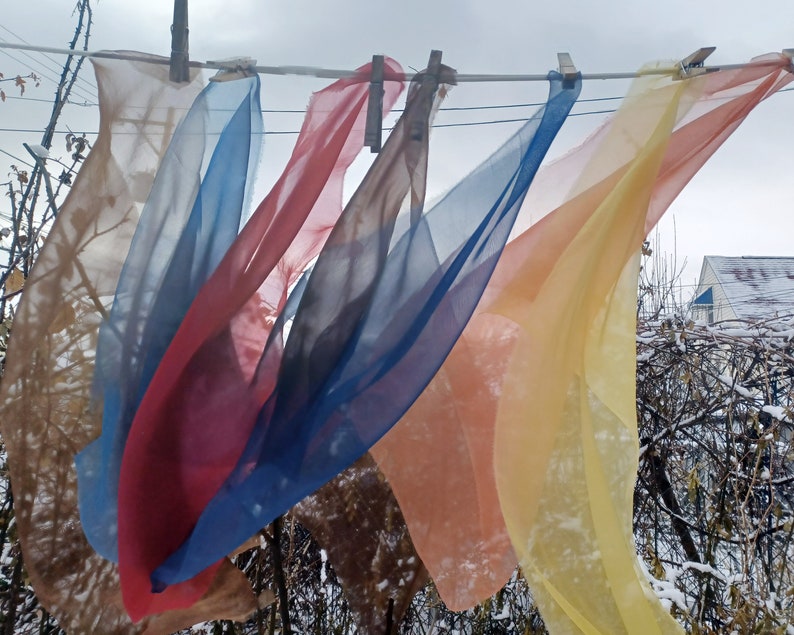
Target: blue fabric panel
point(192, 215)
point(355, 361)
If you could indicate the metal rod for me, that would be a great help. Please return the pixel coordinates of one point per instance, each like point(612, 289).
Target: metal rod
point(331, 73)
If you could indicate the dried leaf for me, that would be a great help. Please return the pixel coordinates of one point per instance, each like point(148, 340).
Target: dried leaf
point(693, 483)
point(265, 599)
point(14, 282)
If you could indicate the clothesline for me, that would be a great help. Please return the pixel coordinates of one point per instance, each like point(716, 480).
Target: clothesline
point(330, 73)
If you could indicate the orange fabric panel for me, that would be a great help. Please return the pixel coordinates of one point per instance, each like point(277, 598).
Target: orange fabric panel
point(551, 349)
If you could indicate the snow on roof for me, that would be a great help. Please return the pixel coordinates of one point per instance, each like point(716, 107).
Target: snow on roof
point(757, 287)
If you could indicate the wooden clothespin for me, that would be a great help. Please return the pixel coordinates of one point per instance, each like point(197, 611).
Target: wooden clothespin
point(434, 67)
point(692, 65)
point(373, 133)
point(179, 71)
point(232, 68)
point(430, 78)
point(567, 70)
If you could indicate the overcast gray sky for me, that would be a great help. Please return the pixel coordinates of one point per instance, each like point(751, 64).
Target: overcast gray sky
point(741, 203)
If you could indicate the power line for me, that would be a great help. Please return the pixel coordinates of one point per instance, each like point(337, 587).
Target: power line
point(524, 105)
point(462, 124)
point(8, 154)
point(26, 65)
point(300, 70)
point(302, 111)
point(49, 101)
point(49, 57)
point(42, 74)
point(39, 72)
point(388, 129)
point(58, 67)
point(517, 120)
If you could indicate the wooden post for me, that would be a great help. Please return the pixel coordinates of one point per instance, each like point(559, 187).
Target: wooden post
point(179, 43)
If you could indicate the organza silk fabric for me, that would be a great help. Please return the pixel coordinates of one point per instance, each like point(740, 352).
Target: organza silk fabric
point(439, 457)
point(204, 396)
point(481, 209)
point(190, 219)
point(357, 521)
point(420, 284)
point(285, 458)
point(570, 514)
point(46, 406)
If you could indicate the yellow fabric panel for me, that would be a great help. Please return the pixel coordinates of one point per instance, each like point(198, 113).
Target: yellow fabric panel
point(566, 435)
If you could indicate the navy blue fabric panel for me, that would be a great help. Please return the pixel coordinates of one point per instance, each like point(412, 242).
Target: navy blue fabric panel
point(377, 318)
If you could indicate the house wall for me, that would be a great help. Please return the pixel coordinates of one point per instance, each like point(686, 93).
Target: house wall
point(721, 310)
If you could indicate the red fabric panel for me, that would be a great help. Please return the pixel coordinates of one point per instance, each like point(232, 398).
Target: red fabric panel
point(200, 400)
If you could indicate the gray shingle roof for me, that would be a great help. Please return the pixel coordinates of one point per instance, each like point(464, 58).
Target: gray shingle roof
point(757, 287)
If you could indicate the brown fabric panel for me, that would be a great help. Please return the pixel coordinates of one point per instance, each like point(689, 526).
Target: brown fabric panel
point(46, 414)
point(229, 598)
point(358, 522)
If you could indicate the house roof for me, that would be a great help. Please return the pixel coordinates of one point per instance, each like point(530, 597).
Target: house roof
point(757, 287)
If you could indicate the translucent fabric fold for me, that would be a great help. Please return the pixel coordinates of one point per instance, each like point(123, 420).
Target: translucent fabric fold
point(204, 396)
point(294, 449)
point(46, 411)
point(438, 460)
point(357, 520)
point(566, 444)
point(453, 255)
point(442, 449)
point(554, 423)
point(431, 282)
point(190, 219)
